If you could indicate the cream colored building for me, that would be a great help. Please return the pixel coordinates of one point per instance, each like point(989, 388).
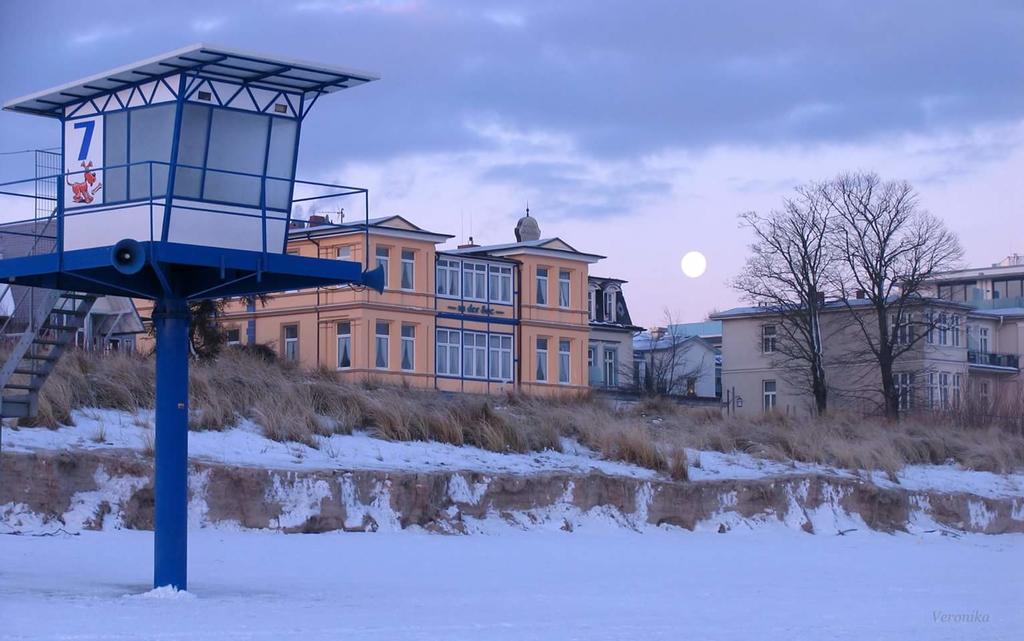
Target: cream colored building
point(757, 377)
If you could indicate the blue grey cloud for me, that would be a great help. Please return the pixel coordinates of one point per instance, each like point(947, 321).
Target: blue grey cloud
point(620, 79)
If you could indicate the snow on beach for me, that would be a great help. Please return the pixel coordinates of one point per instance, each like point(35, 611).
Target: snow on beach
point(245, 446)
point(766, 585)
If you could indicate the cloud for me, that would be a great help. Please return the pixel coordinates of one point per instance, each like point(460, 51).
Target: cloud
point(208, 25)
point(506, 18)
point(98, 34)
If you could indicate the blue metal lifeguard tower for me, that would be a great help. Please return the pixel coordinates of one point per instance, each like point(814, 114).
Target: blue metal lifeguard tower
point(178, 184)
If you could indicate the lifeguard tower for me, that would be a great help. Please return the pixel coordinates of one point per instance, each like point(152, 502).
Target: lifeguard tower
point(177, 184)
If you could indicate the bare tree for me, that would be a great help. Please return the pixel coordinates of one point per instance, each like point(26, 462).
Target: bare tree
point(890, 249)
point(788, 272)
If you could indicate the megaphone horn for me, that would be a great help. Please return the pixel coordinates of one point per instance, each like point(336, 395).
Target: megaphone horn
point(128, 256)
point(374, 279)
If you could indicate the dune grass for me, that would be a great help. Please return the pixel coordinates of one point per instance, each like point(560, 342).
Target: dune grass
point(293, 404)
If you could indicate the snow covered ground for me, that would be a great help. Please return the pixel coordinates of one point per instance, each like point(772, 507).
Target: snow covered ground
point(245, 445)
point(764, 585)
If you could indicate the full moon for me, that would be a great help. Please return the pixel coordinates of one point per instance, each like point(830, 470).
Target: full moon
point(694, 263)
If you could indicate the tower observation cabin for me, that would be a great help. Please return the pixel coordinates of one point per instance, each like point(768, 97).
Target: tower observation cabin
point(176, 183)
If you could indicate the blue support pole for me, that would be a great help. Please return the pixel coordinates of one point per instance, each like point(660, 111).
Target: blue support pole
point(171, 320)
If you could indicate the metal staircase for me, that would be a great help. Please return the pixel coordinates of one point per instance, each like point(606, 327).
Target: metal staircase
point(48, 321)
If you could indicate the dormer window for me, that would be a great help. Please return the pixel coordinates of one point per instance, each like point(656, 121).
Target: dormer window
point(609, 304)
point(592, 302)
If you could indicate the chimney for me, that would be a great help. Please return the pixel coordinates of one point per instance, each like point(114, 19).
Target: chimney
point(469, 244)
point(297, 224)
point(317, 219)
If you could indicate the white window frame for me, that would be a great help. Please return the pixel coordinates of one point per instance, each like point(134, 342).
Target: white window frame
point(983, 340)
point(499, 284)
point(564, 361)
point(943, 329)
point(291, 343)
point(474, 278)
point(591, 305)
point(344, 339)
point(610, 375)
point(499, 357)
point(227, 338)
point(944, 389)
point(447, 270)
point(769, 398)
point(541, 369)
point(343, 252)
point(905, 390)
point(542, 286)
point(381, 345)
point(955, 326)
point(769, 338)
point(448, 352)
point(609, 305)
point(564, 288)
point(957, 389)
point(474, 345)
point(933, 391)
point(383, 255)
point(408, 268)
point(408, 347)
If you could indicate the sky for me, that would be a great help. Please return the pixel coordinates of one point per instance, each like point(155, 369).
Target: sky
point(634, 130)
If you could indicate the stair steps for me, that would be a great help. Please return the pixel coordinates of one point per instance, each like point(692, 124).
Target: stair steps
point(37, 350)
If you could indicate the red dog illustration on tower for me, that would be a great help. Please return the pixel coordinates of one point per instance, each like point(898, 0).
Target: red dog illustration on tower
point(84, 191)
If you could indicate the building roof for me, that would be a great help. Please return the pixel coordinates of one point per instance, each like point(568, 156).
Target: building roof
point(645, 342)
point(830, 306)
point(218, 63)
point(394, 223)
point(552, 246)
point(998, 312)
point(974, 273)
point(604, 279)
point(700, 328)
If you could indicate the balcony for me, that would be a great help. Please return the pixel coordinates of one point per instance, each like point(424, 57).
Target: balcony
point(988, 361)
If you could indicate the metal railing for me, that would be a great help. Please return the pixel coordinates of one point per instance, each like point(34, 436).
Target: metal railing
point(142, 189)
point(989, 359)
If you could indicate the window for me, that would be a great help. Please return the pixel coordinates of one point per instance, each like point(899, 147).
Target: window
point(905, 390)
point(943, 329)
point(933, 391)
point(408, 269)
point(563, 288)
point(983, 340)
point(768, 335)
point(500, 357)
point(408, 347)
point(590, 304)
point(382, 342)
point(233, 336)
point(591, 357)
point(542, 285)
point(691, 386)
point(343, 252)
point(448, 278)
point(449, 343)
point(983, 391)
point(384, 260)
point(609, 305)
point(929, 319)
point(474, 354)
point(291, 342)
point(542, 359)
point(563, 361)
point(955, 325)
point(769, 396)
point(943, 389)
point(957, 383)
point(500, 284)
point(474, 281)
point(611, 366)
point(344, 331)
point(902, 329)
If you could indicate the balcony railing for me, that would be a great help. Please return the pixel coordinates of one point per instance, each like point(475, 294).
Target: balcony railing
point(135, 195)
point(988, 359)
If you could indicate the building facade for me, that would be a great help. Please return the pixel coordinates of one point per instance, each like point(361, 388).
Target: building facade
point(483, 319)
point(758, 377)
point(610, 346)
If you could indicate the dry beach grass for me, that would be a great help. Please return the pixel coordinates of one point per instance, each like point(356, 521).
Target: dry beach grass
point(292, 404)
